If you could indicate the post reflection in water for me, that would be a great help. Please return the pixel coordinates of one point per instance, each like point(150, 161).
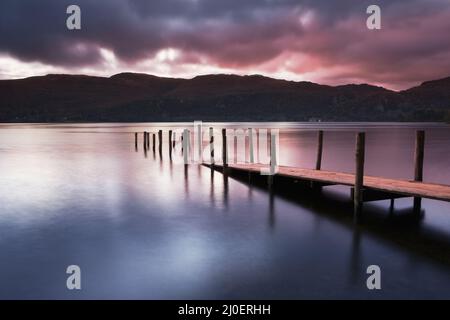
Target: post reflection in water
point(271, 197)
point(355, 262)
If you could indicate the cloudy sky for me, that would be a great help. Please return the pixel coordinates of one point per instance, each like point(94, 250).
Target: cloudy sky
point(315, 40)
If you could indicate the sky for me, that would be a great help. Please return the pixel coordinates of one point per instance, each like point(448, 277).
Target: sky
point(302, 40)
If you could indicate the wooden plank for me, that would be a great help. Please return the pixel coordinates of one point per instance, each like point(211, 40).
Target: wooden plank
point(408, 188)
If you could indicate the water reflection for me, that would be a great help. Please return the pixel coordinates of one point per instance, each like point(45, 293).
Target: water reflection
point(153, 228)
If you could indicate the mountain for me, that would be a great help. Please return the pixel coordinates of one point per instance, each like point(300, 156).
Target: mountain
point(140, 97)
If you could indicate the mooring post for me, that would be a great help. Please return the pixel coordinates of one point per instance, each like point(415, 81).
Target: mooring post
point(136, 140)
point(319, 150)
point(185, 139)
point(359, 172)
point(154, 141)
point(144, 135)
point(418, 165)
point(224, 149)
point(160, 141)
point(250, 146)
point(273, 159)
point(170, 144)
point(198, 143)
point(148, 140)
point(211, 145)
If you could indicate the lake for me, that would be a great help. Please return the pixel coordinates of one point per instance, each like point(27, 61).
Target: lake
point(144, 227)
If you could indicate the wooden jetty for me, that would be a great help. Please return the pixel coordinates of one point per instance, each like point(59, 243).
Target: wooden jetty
point(364, 188)
point(374, 188)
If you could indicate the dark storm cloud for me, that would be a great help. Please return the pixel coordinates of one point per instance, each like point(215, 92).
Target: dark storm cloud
point(237, 34)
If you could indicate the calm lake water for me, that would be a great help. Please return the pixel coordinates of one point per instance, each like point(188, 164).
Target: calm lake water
point(144, 227)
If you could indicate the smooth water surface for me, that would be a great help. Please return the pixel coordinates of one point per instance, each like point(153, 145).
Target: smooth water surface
point(142, 226)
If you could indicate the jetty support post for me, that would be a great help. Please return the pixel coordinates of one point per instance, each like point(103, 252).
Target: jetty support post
point(273, 159)
point(185, 139)
point(160, 141)
point(359, 173)
point(418, 165)
point(211, 145)
point(250, 145)
point(224, 150)
point(136, 140)
point(154, 141)
point(170, 144)
point(319, 150)
point(144, 142)
point(198, 130)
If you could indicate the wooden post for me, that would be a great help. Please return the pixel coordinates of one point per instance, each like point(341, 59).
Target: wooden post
point(135, 140)
point(185, 139)
point(418, 165)
point(211, 144)
point(273, 159)
point(174, 138)
point(160, 141)
point(199, 142)
point(144, 135)
point(359, 172)
point(319, 150)
point(154, 141)
point(250, 145)
point(273, 153)
point(224, 148)
point(148, 140)
point(170, 144)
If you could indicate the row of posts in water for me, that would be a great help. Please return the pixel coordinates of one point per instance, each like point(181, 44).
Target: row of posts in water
point(186, 145)
point(359, 155)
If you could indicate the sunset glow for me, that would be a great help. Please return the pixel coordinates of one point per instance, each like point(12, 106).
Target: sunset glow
point(297, 40)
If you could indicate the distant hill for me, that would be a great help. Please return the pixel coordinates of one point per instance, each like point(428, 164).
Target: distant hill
point(140, 97)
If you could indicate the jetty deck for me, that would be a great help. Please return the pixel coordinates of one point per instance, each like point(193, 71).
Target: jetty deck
point(399, 188)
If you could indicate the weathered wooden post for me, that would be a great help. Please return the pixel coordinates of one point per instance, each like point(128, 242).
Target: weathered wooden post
point(148, 140)
point(224, 148)
point(154, 141)
point(250, 145)
point(418, 165)
point(160, 141)
point(136, 140)
point(185, 139)
point(198, 143)
point(319, 150)
point(359, 173)
point(211, 145)
point(273, 159)
point(170, 144)
point(174, 139)
point(144, 135)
